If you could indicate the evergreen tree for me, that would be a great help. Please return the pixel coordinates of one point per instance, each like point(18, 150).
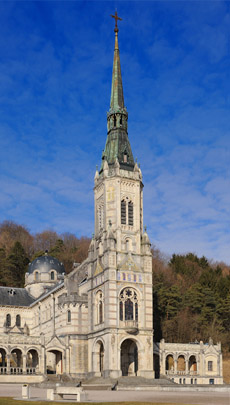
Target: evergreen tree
point(17, 261)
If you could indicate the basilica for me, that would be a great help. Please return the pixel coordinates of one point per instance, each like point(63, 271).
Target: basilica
point(97, 321)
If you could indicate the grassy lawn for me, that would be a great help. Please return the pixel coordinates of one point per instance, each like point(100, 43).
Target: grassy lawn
point(11, 401)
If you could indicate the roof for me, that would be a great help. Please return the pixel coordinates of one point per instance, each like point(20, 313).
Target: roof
point(46, 263)
point(117, 143)
point(18, 297)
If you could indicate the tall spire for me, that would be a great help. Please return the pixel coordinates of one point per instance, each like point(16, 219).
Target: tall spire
point(117, 146)
point(117, 97)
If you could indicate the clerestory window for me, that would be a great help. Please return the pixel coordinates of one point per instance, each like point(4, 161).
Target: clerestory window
point(8, 320)
point(18, 320)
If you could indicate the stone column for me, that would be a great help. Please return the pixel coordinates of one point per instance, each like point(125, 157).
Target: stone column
point(198, 366)
point(162, 362)
point(8, 363)
point(175, 366)
point(186, 366)
point(64, 362)
point(24, 363)
point(67, 361)
point(42, 361)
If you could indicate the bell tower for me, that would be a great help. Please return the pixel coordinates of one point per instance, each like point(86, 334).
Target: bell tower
point(121, 327)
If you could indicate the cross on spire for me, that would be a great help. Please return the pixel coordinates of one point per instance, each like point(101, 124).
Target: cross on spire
point(116, 19)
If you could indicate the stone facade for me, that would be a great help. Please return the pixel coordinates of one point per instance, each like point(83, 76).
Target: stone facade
point(192, 363)
point(98, 320)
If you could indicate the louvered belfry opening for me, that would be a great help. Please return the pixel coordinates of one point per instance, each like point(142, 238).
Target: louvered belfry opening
point(130, 213)
point(123, 212)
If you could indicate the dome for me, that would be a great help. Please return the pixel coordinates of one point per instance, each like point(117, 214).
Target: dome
point(46, 263)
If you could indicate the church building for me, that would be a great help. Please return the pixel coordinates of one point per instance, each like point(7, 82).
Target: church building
point(98, 319)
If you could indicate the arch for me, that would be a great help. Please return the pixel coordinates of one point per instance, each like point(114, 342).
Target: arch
point(16, 361)
point(52, 275)
point(36, 275)
point(3, 361)
point(98, 357)
point(129, 357)
point(192, 364)
point(128, 305)
point(18, 320)
point(31, 361)
point(128, 244)
point(169, 364)
point(8, 320)
point(99, 300)
point(181, 365)
point(54, 361)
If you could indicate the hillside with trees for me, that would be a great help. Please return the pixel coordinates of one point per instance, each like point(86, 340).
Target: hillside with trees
point(191, 299)
point(191, 295)
point(18, 247)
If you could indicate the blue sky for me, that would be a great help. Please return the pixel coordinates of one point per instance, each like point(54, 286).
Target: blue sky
point(55, 74)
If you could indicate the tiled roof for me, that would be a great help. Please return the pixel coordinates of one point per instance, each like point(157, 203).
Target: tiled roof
point(15, 297)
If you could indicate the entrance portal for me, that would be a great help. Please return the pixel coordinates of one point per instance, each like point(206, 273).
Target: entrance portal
point(129, 358)
point(99, 358)
point(54, 362)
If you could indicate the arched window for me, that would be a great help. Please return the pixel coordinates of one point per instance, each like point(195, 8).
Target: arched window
point(36, 276)
point(68, 316)
point(127, 212)
point(123, 212)
point(130, 213)
point(128, 310)
point(210, 365)
point(52, 275)
point(8, 320)
point(114, 121)
point(128, 305)
point(100, 311)
point(18, 320)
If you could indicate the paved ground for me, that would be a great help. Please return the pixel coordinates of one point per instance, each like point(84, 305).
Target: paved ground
point(194, 398)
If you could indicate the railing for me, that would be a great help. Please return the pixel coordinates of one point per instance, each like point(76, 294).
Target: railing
point(180, 372)
point(130, 324)
point(3, 370)
point(30, 370)
point(16, 370)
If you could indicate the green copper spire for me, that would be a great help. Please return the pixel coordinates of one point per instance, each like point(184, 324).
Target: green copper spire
point(117, 97)
point(117, 143)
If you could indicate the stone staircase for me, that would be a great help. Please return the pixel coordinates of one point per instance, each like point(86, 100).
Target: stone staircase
point(104, 384)
point(122, 383)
